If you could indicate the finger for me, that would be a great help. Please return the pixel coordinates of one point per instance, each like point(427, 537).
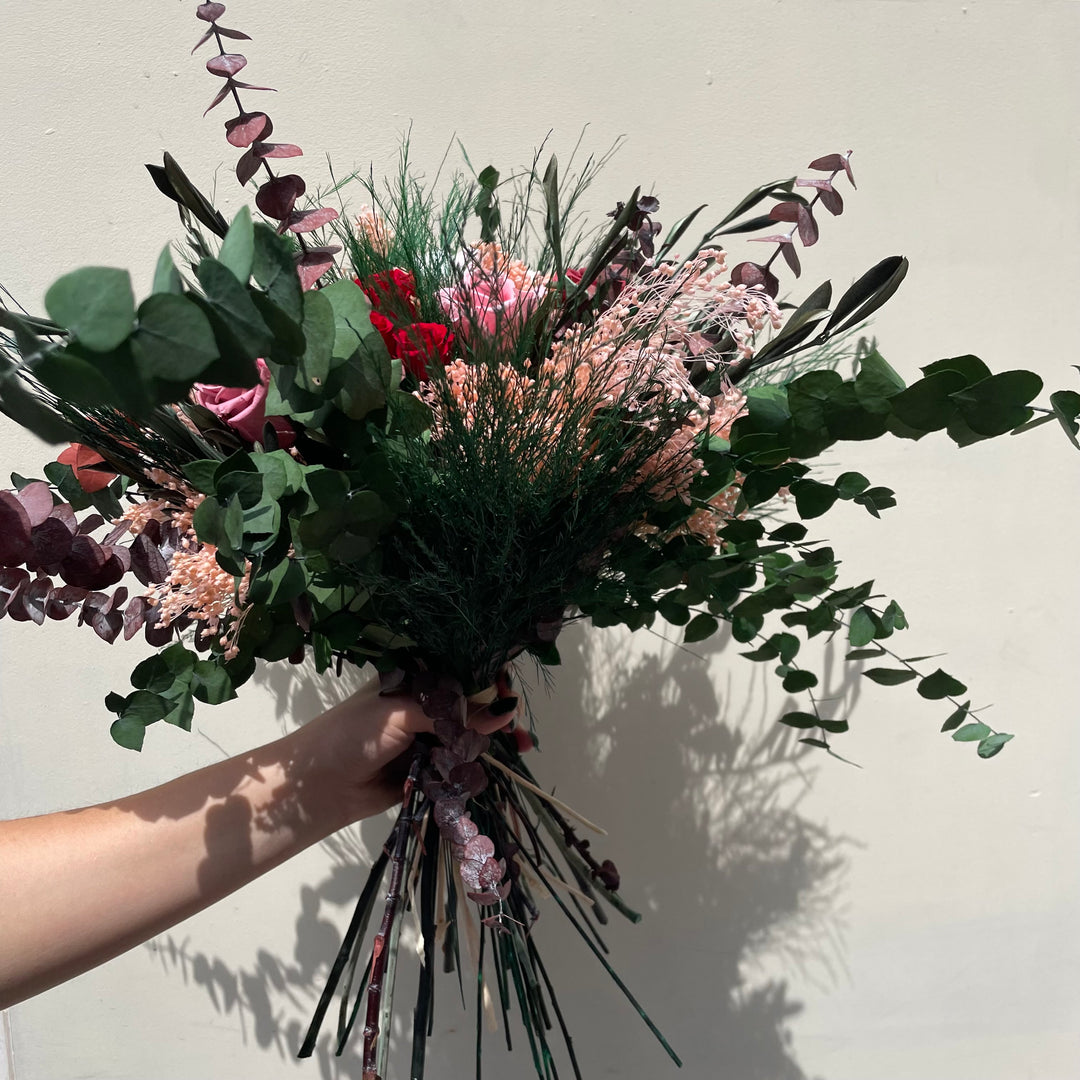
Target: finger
point(499, 714)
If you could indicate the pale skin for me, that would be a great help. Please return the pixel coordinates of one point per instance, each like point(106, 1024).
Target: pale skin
point(79, 887)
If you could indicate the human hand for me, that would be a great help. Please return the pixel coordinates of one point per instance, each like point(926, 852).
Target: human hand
point(350, 761)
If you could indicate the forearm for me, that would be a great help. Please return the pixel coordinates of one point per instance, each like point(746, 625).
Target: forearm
point(79, 887)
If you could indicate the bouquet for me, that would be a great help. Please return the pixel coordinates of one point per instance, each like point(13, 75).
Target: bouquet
point(425, 433)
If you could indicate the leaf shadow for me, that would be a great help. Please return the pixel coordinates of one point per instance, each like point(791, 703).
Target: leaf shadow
point(703, 794)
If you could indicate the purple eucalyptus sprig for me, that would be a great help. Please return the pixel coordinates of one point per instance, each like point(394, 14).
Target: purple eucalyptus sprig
point(800, 213)
point(250, 131)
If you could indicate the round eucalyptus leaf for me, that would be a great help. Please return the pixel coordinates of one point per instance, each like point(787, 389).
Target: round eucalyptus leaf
point(96, 304)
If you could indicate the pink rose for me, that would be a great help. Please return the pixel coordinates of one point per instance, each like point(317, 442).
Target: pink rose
point(492, 303)
point(244, 410)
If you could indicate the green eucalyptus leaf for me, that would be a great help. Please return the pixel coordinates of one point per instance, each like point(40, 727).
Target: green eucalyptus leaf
point(850, 484)
point(319, 338)
point(876, 382)
point(210, 683)
point(992, 744)
point(862, 628)
point(971, 367)
point(801, 720)
point(699, 628)
point(352, 316)
point(1066, 406)
point(128, 732)
point(238, 248)
point(230, 301)
point(864, 654)
point(274, 268)
point(200, 474)
point(174, 339)
point(96, 304)
point(957, 718)
point(812, 499)
point(166, 276)
point(927, 405)
point(999, 403)
point(833, 727)
point(940, 685)
point(890, 676)
point(974, 732)
point(798, 680)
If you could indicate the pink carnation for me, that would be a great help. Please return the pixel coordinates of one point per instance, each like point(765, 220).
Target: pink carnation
point(244, 410)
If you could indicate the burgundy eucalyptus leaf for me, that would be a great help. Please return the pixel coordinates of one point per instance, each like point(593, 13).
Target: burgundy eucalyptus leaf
point(785, 211)
point(84, 563)
point(442, 794)
point(89, 524)
point(220, 96)
point(64, 601)
point(648, 204)
point(236, 35)
point(469, 777)
point(118, 551)
point(243, 130)
point(156, 634)
point(251, 86)
point(135, 616)
point(478, 849)
point(51, 542)
point(774, 238)
point(107, 625)
point(147, 562)
point(492, 922)
point(462, 830)
point(14, 530)
point(303, 221)
point(226, 65)
point(441, 699)
point(831, 200)
point(444, 760)
point(277, 197)
point(94, 603)
point(12, 580)
point(751, 274)
point(247, 166)
point(37, 500)
point(833, 163)
point(791, 257)
point(209, 12)
point(202, 41)
point(117, 531)
point(447, 811)
point(17, 609)
point(468, 745)
point(314, 263)
point(808, 230)
point(34, 598)
point(492, 871)
point(277, 150)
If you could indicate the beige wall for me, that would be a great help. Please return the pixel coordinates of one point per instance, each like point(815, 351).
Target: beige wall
point(914, 919)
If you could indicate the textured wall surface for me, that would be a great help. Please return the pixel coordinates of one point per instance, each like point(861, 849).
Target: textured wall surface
point(912, 919)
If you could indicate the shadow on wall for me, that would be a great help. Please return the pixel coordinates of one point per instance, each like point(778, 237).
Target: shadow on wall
point(702, 804)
